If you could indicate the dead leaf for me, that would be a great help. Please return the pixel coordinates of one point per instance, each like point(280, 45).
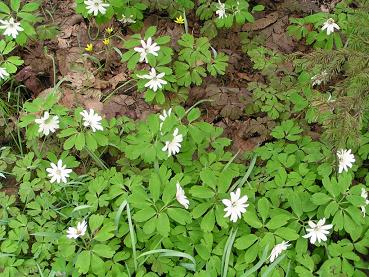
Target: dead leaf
point(261, 23)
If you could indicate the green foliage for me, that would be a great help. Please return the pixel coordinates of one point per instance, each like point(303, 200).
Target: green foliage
point(24, 13)
point(9, 63)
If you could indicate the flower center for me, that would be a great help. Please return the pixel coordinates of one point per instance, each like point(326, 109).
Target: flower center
point(58, 172)
point(330, 21)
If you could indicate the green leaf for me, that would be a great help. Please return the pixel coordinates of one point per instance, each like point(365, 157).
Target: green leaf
point(150, 32)
point(263, 208)
point(83, 261)
point(30, 7)
point(14, 4)
point(251, 219)
point(245, 241)
point(163, 225)
point(154, 186)
point(4, 8)
point(180, 215)
point(208, 221)
point(278, 221)
point(194, 114)
point(80, 141)
point(320, 198)
point(202, 192)
point(287, 233)
point(144, 214)
point(103, 250)
point(95, 221)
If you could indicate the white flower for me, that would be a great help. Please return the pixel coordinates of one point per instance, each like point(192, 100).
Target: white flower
point(47, 124)
point(11, 27)
point(96, 6)
point(3, 73)
point(163, 116)
point(181, 197)
point(330, 25)
point(277, 250)
point(221, 12)
point(156, 82)
point(236, 206)
point(345, 160)
point(147, 48)
point(364, 194)
point(58, 173)
point(79, 231)
point(319, 78)
point(317, 231)
point(92, 119)
point(173, 146)
point(126, 19)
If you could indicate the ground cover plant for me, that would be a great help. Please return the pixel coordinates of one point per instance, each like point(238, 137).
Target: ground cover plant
point(184, 138)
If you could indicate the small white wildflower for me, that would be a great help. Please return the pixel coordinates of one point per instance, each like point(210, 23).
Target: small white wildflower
point(47, 124)
point(330, 25)
point(277, 250)
point(235, 206)
point(12, 28)
point(124, 19)
point(221, 11)
point(319, 78)
point(96, 6)
point(79, 231)
point(3, 73)
point(92, 119)
point(345, 160)
point(163, 116)
point(58, 172)
point(173, 147)
point(148, 47)
point(364, 194)
point(181, 196)
point(318, 231)
point(155, 80)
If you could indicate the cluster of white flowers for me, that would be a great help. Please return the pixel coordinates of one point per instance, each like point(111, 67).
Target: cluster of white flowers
point(345, 160)
point(330, 25)
point(364, 194)
point(3, 73)
point(173, 147)
point(148, 47)
point(221, 10)
point(47, 124)
point(164, 116)
point(58, 172)
point(92, 120)
point(96, 6)
point(156, 81)
point(318, 231)
point(235, 206)
point(11, 27)
point(76, 232)
point(319, 78)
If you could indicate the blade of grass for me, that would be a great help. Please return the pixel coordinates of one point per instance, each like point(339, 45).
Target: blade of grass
point(170, 253)
point(272, 266)
point(118, 215)
point(241, 182)
point(230, 161)
point(81, 207)
point(227, 252)
point(133, 236)
point(259, 264)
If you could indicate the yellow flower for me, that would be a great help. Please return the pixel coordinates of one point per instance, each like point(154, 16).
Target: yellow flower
point(179, 20)
point(89, 47)
point(106, 41)
point(109, 30)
